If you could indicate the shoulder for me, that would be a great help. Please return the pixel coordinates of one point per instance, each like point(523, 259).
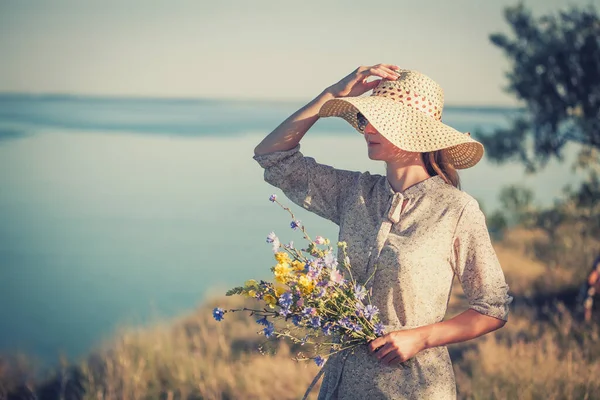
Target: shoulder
point(458, 200)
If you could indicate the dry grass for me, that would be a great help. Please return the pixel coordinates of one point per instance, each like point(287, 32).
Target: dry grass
point(196, 357)
point(541, 353)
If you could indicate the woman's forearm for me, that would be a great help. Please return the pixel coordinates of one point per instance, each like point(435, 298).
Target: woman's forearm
point(289, 133)
point(465, 326)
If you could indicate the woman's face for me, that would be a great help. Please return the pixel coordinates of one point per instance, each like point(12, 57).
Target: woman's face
point(379, 148)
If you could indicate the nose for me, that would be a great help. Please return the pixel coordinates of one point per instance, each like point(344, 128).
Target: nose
point(370, 130)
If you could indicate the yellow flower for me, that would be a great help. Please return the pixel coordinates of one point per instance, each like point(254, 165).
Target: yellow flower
point(252, 293)
point(282, 257)
point(304, 281)
point(298, 265)
point(270, 300)
point(251, 283)
point(280, 289)
point(306, 284)
point(282, 269)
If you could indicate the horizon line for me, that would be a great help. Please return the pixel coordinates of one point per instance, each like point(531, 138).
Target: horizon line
point(279, 101)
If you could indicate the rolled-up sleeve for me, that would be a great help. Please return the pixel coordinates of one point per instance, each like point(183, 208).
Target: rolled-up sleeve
point(477, 266)
point(316, 187)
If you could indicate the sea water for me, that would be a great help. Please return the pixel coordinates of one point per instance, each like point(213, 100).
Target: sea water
point(115, 211)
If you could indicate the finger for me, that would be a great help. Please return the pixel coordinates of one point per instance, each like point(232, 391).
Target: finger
point(372, 84)
point(390, 357)
point(377, 71)
point(388, 70)
point(387, 73)
point(380, 341)
point(384, 351)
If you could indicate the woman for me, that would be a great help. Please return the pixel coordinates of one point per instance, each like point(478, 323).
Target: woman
point(414, 227)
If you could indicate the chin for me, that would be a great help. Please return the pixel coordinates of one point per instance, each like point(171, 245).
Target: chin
point(374, 157)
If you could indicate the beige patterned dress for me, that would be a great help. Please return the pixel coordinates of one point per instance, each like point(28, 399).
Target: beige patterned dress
point(415, 252)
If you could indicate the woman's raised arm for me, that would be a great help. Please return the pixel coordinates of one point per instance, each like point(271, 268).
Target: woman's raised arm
point(289, 133)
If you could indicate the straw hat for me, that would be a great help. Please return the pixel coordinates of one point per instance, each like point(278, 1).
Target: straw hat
point(408, 112)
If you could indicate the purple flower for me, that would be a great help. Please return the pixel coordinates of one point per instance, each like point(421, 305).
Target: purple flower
point(284, 312)
point(309, 311)
point(285, 300)
point(336, 277)
point(371, 311)
point(295, 224)
point(271, 237)
point(330, 261)
point(345, 322)
point(319, 361)
point(321, 293)
point(315, 322)
point(218, 313)
point(360, 292)
point(273, 198)
point(290, 245)
point(263, 321)
point(356, 328)
point(379, 329)
point(268, 331)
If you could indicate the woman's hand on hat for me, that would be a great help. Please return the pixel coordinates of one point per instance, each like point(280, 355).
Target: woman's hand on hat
point(356, 83)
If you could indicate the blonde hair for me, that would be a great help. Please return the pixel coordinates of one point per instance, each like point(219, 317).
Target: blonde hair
point(437, 164)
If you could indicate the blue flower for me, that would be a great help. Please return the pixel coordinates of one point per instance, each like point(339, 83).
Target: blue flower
point(296, 319)
point(263, 321)
point(360, 292)
point(379, 329)
point(327, 328)
point(356, 328)
point(371, 311)
point(218, 313)
point(295, 224)
point(285, 300)
point(319, 361)
point(273, 198)
point(268, 331)
point(315, 322)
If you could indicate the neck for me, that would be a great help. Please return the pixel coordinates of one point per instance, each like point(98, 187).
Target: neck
point(403, 175)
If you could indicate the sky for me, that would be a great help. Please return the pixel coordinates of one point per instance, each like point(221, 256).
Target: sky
point(240, 49)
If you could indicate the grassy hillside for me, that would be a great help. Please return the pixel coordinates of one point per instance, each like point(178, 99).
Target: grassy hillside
point(542, 352)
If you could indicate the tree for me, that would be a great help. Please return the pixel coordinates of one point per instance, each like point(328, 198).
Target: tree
point(556, 73)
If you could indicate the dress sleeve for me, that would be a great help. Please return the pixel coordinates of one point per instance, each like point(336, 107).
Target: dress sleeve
point(476, 264)
point(316, 187)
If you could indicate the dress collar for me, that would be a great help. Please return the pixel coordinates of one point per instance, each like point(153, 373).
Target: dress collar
point(418, 188)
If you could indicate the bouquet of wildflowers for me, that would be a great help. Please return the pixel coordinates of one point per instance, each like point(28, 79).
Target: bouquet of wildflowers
point(314, 295)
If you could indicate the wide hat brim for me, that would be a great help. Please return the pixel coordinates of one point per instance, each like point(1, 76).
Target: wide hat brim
point(407, 128)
